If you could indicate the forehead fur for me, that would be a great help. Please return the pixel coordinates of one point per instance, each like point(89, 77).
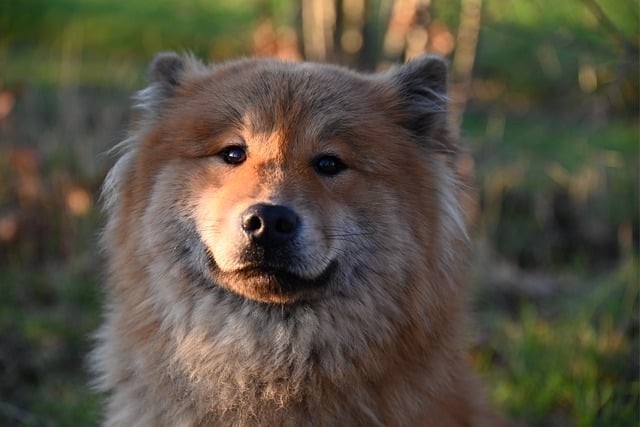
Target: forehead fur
point(272, 93)
point(271, 96)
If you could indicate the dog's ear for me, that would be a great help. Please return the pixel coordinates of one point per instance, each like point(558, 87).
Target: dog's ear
point(166, 69)
point(167, 72)
point(421, 85)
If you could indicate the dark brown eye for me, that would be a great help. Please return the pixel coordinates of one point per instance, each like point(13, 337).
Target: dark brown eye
point(233, 155)
point(329, 165)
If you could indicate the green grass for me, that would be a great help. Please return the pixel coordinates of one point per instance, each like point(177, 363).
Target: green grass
point(50, 306)
point(579, 365)
point(45, 326)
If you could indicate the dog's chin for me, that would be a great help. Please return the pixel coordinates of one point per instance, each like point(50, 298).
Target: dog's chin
point(273, 285)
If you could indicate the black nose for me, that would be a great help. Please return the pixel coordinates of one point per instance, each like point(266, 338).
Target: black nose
point(270, 225)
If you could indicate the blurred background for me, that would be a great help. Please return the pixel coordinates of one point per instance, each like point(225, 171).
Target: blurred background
point(545, 92)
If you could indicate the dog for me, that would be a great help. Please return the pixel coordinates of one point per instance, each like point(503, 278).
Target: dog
point(286, 244)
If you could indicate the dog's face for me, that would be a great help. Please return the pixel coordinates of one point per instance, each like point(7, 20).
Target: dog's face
point(282, 182)
point(285, 244)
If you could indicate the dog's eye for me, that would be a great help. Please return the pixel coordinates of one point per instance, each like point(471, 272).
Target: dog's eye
point(329, 165)
point(233, 155)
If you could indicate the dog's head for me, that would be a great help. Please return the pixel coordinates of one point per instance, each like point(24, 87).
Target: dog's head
point(285, 182)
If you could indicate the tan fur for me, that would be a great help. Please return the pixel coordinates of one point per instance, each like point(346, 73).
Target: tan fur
point(191, 339)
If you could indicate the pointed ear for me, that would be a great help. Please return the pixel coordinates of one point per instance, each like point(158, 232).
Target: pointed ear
point(166, 69)
point(167, 72)
point(421, 85)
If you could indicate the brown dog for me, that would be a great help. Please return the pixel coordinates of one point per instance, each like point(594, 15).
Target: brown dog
point(286, 246)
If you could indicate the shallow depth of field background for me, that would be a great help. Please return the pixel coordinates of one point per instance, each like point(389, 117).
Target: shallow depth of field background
point(546, 92)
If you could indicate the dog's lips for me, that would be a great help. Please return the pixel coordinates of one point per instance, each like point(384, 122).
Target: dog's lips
point(268, 283)
point(254, 271)
point(286, 280)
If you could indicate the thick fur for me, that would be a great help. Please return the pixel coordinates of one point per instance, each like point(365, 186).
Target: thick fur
point(356, 321)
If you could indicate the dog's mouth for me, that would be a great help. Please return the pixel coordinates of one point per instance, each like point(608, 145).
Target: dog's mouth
point(271, 284)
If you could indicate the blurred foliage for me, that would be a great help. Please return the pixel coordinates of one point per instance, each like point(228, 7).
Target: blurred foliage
point(64, 41)
point(551, 120)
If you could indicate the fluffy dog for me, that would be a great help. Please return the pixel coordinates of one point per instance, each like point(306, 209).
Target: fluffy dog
point(286, 245)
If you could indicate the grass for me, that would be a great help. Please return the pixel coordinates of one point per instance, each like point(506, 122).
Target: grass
point(45, 327)
point(48, 311)
point(575, 367)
